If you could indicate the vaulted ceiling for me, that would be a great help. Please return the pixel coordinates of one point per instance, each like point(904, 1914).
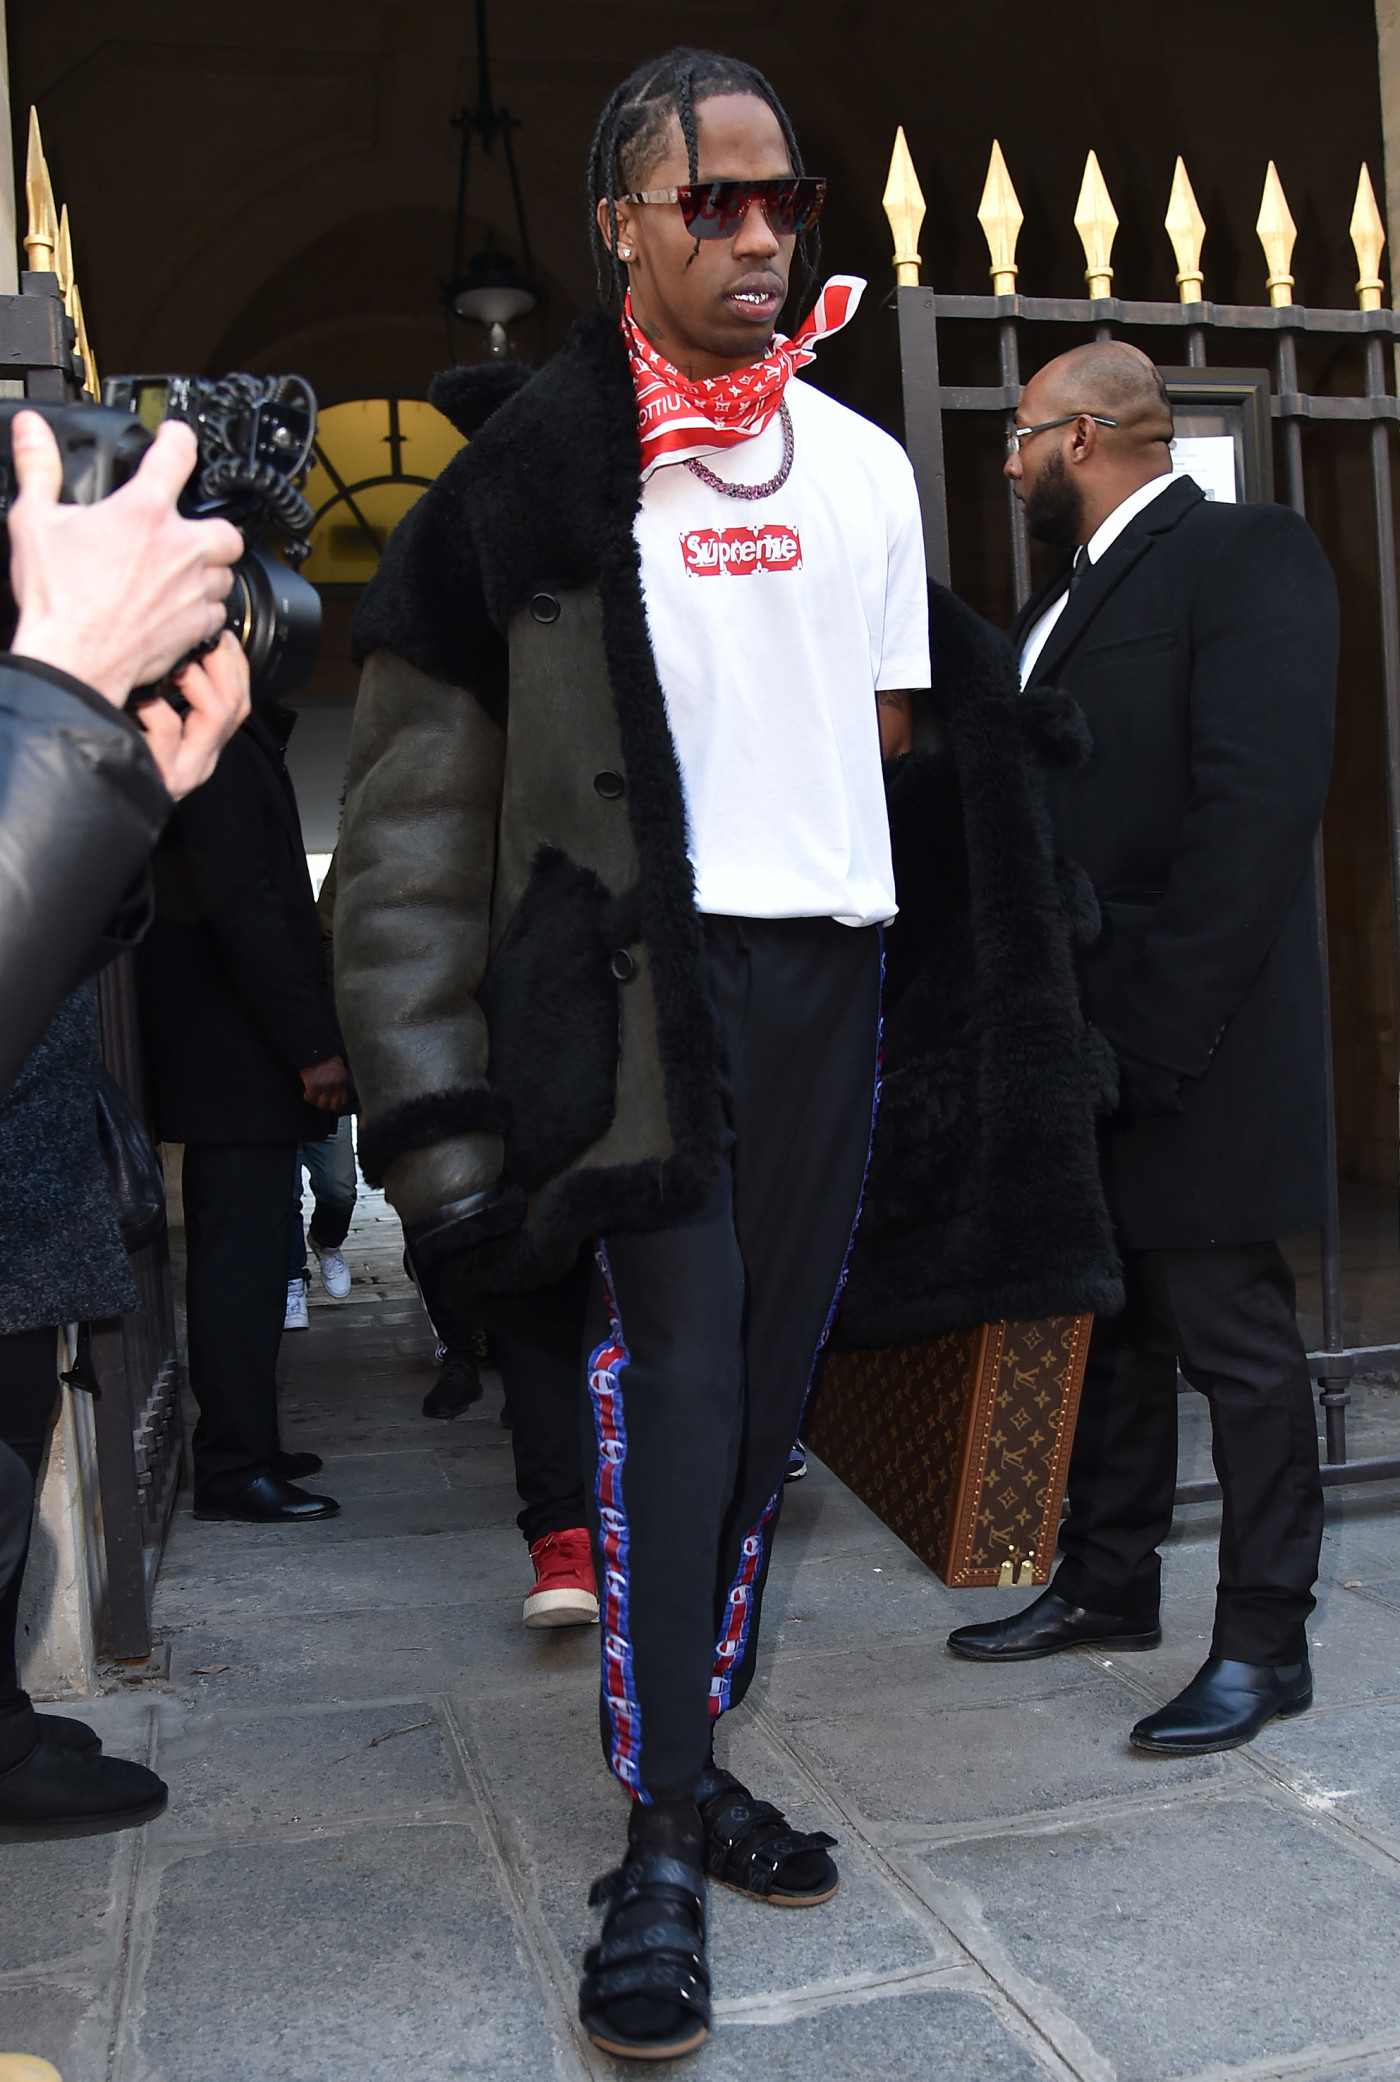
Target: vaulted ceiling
point(272, 185)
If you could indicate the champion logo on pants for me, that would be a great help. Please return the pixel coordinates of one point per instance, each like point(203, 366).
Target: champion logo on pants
point(619, 1685)
point(738, 1606)
point(738, 1614)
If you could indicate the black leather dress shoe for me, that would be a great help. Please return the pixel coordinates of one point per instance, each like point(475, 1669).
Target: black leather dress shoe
point(64, 1792)
point(1046, 1627)
point(75, 1736)
point(1224, 1705)
point(264, 1500)
point(294, 1467)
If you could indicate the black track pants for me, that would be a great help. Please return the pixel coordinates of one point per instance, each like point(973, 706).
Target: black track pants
point(702, 1340)
point(28, 1392)
point(238, 1233)
point(1226, 1314)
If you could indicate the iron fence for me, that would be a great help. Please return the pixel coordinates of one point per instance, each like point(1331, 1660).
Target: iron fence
point(1195, 323)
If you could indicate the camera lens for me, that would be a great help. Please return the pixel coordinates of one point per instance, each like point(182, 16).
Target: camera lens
point(276, 616)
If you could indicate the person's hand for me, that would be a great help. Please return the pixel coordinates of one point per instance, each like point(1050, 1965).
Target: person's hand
point(114, 594)
point(326, 1084)
point(186, 748)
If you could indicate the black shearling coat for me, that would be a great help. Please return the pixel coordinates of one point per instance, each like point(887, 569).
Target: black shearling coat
point(518, 954)
point(1202, 649)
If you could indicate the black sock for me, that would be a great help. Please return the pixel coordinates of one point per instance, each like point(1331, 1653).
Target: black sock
point(672, 1827)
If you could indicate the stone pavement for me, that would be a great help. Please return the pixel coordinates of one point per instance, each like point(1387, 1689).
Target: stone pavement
point(387, 1802)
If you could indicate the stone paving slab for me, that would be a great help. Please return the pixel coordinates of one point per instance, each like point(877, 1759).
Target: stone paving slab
point(1025, 1753)
point(1178, 1936)
point(1346, 1764)
point(930, 2036)
point(71, 1905)
point(68, 2026)
point(371, 1652)
point(250, 1773)
point(374, 1953)
point(305, 1568)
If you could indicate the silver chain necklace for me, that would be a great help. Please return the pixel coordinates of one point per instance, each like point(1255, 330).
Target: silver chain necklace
point(751, 491)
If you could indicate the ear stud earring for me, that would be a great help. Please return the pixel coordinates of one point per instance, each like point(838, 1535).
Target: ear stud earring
point(624, 252)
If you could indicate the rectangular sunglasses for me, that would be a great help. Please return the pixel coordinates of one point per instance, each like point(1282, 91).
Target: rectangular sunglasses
point(716, 209)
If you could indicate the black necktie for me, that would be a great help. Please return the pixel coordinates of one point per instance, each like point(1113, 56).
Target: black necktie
point(1080, 565)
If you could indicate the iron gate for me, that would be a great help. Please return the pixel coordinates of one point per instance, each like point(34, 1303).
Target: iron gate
point(1194, 322)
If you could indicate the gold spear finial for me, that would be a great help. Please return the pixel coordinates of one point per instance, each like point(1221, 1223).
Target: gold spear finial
point(1096, 221)
point(1368, 237)
point(999, 214)
point(1186, 228)
point(1277, 231)
point(91, 381)
point(42, 236)
point(63, 260)
point(904, 206)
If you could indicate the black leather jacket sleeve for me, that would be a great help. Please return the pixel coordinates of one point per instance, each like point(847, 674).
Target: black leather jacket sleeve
point(81, 806)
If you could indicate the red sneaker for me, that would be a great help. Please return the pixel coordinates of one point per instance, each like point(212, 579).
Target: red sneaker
point(566, 1591)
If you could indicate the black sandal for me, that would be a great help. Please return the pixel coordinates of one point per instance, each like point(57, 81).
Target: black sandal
point(646, 1988)
point(751, 1846)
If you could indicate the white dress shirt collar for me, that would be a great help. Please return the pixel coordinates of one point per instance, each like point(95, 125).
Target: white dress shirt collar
point(1102, 539)
point(1108, 531)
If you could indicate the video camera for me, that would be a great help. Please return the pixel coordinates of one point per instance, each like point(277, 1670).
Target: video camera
point(255, 435)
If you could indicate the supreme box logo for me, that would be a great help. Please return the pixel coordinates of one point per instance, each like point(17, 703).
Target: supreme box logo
point(715, 552)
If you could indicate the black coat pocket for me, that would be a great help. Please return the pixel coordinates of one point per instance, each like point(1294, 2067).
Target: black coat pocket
point(550, 1001)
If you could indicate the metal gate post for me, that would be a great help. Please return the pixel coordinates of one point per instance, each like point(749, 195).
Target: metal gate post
point(923, 422)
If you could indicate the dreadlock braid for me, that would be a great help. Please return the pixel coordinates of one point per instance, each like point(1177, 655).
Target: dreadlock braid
point(632, 130)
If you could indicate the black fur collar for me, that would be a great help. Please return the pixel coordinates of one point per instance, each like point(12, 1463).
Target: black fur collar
point(542, 495)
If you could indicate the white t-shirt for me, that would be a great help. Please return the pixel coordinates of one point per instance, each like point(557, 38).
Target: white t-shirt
point(773, 623)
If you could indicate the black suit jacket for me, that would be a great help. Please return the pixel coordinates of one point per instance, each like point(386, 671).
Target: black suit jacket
point(1202, 648)
point(234, 1003)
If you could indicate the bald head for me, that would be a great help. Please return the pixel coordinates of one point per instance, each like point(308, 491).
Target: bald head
point(1110, 377)
point(1068, 468)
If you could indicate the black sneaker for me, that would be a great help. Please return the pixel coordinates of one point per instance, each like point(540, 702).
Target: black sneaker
point(456, 1388)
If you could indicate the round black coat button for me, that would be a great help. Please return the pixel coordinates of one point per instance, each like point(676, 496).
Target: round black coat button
point(623, 966)
point(544, 607)
point(608, 784)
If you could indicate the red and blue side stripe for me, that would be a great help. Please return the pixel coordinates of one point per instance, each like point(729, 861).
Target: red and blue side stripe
point(605, 1367)
point(739, 1605)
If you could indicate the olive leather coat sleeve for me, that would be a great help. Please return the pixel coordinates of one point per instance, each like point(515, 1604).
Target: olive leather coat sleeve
point(415, 871)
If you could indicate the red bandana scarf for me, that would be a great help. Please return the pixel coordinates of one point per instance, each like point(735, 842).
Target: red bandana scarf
point(680, 419)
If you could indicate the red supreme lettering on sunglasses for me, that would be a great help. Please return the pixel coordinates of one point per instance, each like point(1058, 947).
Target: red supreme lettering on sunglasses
point(737, 552)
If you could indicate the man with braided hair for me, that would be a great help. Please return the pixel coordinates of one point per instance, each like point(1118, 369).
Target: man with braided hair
point(614, 876)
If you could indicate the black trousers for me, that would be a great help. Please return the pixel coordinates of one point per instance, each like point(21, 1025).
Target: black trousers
point(703, 1337)
point(546, 1433)
point(238, 1232)
point(1226, 1314)
point(28, 1391)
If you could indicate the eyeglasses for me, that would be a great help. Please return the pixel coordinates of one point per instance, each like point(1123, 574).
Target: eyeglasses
point(1016, 435)
point(716, 209)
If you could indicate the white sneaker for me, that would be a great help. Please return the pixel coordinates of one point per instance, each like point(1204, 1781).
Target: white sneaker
point(335, 1274)
point(297, 1316)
